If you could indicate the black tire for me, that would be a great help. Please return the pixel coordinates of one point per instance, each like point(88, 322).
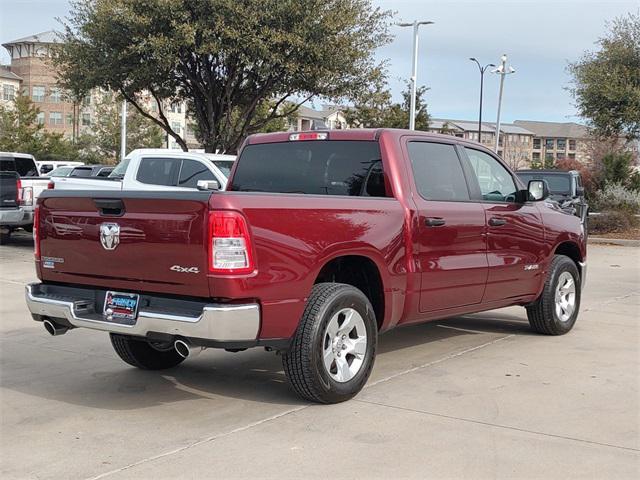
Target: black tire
point(139, 353)
point(542, 313)
point(303, 362)
point(5, 237)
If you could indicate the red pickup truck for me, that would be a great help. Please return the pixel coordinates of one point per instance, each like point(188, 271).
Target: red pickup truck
point(322, 241)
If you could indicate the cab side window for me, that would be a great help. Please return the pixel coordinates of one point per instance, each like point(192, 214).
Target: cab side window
point(495, 181)
point(159, 171)
point(191, 172)
point(437, 171)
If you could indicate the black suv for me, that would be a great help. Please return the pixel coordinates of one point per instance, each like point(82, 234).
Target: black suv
point(565, 189)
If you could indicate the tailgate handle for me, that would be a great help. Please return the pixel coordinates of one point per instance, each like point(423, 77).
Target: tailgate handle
point(110, 206)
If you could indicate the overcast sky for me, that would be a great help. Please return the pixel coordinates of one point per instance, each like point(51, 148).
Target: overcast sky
point(539, 36)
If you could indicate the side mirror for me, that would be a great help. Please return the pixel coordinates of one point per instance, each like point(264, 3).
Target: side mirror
point(580, 191)
point(538, 190)
point(208, 185)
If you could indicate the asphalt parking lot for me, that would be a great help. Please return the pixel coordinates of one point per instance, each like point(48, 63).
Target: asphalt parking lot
point(478, 396)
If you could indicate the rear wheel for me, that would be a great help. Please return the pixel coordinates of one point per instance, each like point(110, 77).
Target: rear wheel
point(142, 354)
point(334, 348)
point(556, 310)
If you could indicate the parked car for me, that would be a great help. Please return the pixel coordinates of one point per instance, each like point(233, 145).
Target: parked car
point(322, 241)
point(92, 171)
point(565, 188)
point(64, 171)
point(31, 185)
point(47, 166)
point(11, 212)
point(152, 169)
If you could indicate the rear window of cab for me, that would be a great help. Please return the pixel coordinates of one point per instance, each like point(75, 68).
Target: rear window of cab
point(318, 167)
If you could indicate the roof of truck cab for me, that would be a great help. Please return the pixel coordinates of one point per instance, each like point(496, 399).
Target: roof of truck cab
point(362, 134)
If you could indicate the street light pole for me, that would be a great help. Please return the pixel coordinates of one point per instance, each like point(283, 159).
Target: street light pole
point(502, 70)
point(482, 70)
point(414, 71)
point(123, 131)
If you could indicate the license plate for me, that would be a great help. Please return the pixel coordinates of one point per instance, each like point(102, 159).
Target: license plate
point(122, 306)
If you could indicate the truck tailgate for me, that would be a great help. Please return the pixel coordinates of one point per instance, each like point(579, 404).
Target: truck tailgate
point(159, 245)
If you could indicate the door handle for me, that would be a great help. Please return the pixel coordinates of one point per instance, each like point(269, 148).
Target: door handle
point(435, 222)
point(497, 221)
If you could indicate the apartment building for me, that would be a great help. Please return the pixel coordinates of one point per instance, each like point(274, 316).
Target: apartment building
point(9, 86)
point(515, 141)
point(306, 118)
point(555, 141)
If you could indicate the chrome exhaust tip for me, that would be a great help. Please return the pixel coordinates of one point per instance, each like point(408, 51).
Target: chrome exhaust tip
point(54, 329)
point(185, 349)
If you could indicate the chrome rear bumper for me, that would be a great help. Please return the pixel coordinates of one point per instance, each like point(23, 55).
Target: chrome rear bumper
point(216, 322)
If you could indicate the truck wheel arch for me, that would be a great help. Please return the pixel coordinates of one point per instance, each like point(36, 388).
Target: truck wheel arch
point(360, 272)
point(571, 250)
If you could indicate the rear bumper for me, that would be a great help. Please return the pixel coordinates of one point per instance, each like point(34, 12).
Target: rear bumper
point(13, 217)
point(206, 324)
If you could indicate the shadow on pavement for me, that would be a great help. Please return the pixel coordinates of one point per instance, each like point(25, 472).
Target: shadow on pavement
point(254, 375)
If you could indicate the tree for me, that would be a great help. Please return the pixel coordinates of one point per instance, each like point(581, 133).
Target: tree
point(607, 82)
point(375, 108)
point(105, 132)
point(20, 131)
point(225, 58)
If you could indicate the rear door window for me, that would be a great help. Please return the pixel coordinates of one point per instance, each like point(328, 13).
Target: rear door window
point(320, 167)
point(437, 171)
point(159, 171)
point(191, 172)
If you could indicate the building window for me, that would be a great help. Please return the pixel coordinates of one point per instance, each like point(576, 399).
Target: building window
point(536, 144)
point(86, 119)
point(55, 118)
point(549, 143)
point(55, 96)
point(40, 118)
point(562, 144)
point(572, 156)
point(548, 157)
point(511, 138)
point(560, 156)
point(176, 127)
point(38, 94)
point(8, 92)
point(176, 107)
point(69, 118)
point(536, 156)
point(86, 101)
point(572, 144)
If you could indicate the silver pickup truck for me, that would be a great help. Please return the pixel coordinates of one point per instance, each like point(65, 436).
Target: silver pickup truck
point(24, 179)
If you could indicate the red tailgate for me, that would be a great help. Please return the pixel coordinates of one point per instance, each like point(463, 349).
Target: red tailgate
point(159, 240)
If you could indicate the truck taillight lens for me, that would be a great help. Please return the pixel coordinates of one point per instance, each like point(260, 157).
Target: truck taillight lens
point(51, 185)
point(229, 243)
point(27, 196)
point(19, 191)
point(36, 232)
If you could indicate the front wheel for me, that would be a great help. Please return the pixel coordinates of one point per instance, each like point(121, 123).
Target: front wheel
point(334, 347)
point(556, 310)
point(145, 355)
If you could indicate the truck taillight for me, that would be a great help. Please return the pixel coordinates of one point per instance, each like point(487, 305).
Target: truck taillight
point(27, 196)
point(294, 137)
point(229, 243)
point(36, 232)
point(51, 185)
point(18, 191)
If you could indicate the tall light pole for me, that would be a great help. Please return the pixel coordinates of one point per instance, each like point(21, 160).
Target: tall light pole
point(414, 76)
point(123, 131)
point(482, 70)
point(503, 70)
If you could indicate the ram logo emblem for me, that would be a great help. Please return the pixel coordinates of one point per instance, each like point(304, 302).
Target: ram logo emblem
point(109, 235)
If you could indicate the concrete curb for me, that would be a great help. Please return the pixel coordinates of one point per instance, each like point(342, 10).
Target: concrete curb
point(623, 242)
